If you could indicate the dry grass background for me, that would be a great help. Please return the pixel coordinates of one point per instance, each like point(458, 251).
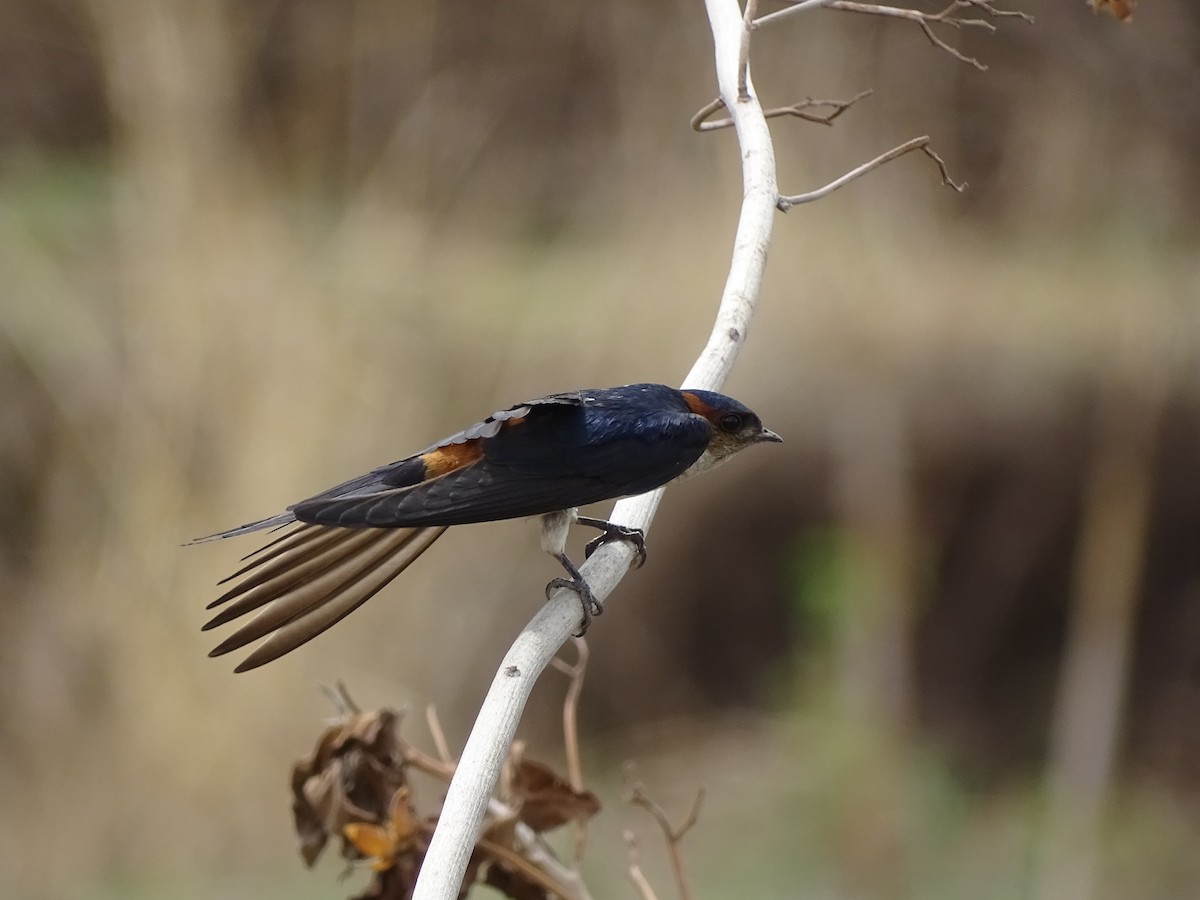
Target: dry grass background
point(249, 249)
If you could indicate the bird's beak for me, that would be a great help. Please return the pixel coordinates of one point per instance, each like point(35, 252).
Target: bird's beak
point(766, 436)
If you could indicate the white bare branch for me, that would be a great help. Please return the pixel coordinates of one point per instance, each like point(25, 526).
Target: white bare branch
point(485, 750)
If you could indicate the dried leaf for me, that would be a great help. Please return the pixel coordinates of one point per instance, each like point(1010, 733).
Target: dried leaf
point(354, 786)
point(548, 801)
point(1122, 9)
point(310, 826)
point(352, 777)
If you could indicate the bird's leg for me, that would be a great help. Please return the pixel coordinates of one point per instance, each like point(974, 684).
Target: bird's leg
point(591, 606)
point(613, 532)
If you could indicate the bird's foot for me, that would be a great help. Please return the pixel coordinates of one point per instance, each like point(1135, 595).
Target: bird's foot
point(613, 532)
point(587, 600)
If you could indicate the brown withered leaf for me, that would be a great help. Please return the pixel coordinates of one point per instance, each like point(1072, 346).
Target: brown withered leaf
point(354, 787)
point(1122, 9)
point(548, 801)
point(351, 777)
point(310, 826)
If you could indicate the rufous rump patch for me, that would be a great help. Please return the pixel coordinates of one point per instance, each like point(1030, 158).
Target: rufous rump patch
point(450, 457)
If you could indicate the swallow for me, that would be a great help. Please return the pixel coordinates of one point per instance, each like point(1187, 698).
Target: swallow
point(543, 457)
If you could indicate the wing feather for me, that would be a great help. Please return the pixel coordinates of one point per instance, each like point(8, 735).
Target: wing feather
point(362, 586)
point(274, 550)
point(491, 426)
point(326, 548)
point(321, 576)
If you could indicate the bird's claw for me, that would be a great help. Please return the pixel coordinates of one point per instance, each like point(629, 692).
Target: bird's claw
point(612, 532)
point(587, 600)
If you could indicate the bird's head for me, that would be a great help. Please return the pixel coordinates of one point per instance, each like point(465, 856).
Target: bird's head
point(734, 427)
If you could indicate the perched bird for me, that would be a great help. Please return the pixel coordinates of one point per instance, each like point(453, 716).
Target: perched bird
point(542, 457)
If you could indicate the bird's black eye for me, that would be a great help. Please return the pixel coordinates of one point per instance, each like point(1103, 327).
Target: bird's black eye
point(730, 422)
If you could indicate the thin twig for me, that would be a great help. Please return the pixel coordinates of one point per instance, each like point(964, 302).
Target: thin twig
point(441, 769)
point(992, 10)
point(673, 833)
point(340, 697)
point(799, 110)
point(636, 875)
point(552, 882)
point(439, 736)
point(924, 20)
point(571, 709)
point(744, 50)
point(635, 793)
point(571, 733)
point(947, 181)
point(787, 13)
point(922, 143)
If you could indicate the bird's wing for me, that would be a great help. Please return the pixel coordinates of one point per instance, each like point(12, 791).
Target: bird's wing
point(547, 459)
point(308, 579)
point(311, 576)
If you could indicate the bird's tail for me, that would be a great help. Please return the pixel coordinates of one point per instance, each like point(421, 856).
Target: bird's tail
point(273, 522)
point(307, 579)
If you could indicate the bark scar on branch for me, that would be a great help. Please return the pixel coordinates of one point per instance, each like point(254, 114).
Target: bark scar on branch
point(783, 204)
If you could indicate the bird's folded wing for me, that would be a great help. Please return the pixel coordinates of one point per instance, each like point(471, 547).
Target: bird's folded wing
point(308, 579)
point(495, 423)
point(524, 470)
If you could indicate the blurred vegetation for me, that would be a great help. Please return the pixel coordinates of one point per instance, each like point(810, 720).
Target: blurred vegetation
point(945, 642)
